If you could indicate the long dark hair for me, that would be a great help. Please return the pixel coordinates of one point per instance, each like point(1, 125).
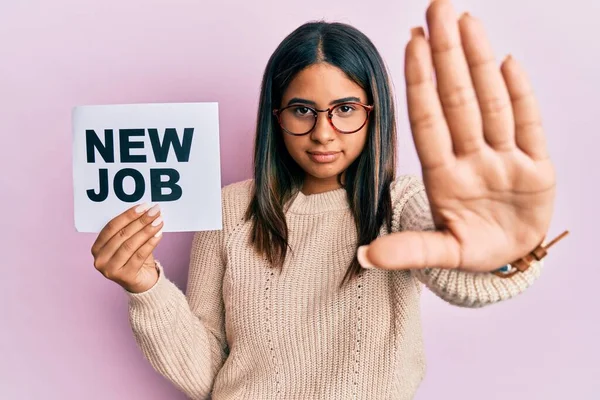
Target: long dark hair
point(367, 180)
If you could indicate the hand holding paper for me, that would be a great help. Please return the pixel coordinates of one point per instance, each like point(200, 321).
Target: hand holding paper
point(123, 250)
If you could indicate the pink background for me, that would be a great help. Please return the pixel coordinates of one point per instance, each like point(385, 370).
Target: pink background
point(64, 332)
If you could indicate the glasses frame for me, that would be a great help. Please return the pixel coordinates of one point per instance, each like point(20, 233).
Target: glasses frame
point(316, 111)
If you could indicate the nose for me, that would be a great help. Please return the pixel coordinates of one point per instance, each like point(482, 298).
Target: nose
point(323, 132)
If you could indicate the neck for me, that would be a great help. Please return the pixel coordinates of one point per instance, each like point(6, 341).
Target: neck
point(312, 185)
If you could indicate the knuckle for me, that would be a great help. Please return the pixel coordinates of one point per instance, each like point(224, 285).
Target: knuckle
point(481, 63)
point(529, 125)
point(102, 262)
point(113, 273)
point(99, 265)
point(425, 121)
point(128, 247)
point(458, 97)
point(139, 256)
point(122, 233)
point(110, 275)
point(110, 225)
point(447, 46)
point(146, 219)
point(494, 106)
point(443, 45)
point(522, 98)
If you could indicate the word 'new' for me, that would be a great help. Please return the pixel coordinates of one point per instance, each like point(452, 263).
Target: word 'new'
point(160, 150)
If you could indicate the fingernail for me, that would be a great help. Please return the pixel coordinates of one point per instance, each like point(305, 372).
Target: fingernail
point(507, 58)
point(417, 31)
point(158, 234)
point(361, 255)
point(464, 15)
point(154, 210)
point(142, 207)
point(157, 221)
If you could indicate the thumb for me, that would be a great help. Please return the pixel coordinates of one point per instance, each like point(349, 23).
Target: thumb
point(411, 250)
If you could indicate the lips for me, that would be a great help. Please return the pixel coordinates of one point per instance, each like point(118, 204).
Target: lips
point(323, 157)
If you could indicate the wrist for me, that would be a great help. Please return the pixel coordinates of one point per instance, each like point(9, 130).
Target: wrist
point(523, 263)
point(150, 280)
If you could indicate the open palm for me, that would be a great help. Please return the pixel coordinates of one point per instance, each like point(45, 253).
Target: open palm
point(478, 134)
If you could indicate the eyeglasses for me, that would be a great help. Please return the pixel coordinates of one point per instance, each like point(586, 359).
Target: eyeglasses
point(300, 119)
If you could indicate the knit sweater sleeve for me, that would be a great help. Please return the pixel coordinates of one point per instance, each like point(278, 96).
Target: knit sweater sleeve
point(461, 288)
point(183, 335)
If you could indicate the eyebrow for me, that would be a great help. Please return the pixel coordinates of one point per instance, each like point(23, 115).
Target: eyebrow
point(297, 100)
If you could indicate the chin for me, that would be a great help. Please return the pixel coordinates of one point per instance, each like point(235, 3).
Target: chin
point(323, 171)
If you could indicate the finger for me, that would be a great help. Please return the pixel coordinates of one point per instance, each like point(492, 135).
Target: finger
point(455, 88)
point(412, 250)
point(428, 125)
point(529, 134)
point(120, 237)
point(129, 249)
point(116, 224)
point(492, 94)
point(124, 272)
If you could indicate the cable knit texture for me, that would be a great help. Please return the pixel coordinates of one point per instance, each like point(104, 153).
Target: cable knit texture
point(246, 331)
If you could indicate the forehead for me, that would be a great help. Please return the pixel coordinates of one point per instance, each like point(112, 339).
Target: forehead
point(323, 83)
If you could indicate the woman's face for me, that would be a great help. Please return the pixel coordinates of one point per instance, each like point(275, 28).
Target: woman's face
point(323, 153)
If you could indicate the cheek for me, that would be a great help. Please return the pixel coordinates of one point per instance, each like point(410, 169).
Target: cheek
point(294, 144)
point(355, 143)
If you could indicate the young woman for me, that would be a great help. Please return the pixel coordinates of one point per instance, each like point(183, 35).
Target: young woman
point(311, 289)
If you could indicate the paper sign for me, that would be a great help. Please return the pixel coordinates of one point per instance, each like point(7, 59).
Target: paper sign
point(156, 153)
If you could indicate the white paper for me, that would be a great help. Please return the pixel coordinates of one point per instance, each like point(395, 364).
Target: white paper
point(199, 206)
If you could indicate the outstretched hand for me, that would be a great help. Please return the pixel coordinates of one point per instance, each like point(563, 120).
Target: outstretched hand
point(479, 137)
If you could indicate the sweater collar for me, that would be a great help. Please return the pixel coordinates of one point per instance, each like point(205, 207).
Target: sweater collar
point(318, 203)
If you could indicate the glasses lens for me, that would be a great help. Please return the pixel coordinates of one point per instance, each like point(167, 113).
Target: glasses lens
point(297, 119)
point(348, 117)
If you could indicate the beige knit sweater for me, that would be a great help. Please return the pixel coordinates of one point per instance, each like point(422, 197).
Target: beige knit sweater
point(245, 331)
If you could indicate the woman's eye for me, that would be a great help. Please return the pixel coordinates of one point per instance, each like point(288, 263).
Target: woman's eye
point(302, 111)
point(345, 109)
